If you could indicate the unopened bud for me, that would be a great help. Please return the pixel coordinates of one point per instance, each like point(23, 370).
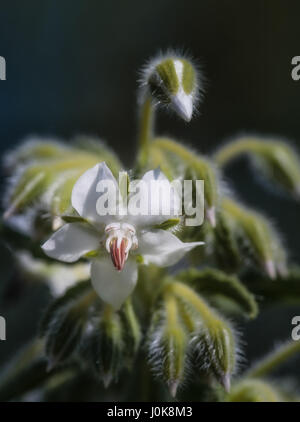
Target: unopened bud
point(172, 80)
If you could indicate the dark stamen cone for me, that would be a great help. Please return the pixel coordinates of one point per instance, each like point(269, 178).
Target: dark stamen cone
point(118, 254)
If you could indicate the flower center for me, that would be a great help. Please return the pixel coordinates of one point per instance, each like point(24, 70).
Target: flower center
point(121, 238)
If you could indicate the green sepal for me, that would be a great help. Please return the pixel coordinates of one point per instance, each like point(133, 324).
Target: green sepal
point(213, 341)
point(198, 167)
point(167, 342)
point(73, 219)
point(225, 245)
point(216, 285)
point(257, 238)
point(168, 224)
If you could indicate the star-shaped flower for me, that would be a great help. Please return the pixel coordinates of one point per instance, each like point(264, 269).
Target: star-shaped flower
point(115, 243)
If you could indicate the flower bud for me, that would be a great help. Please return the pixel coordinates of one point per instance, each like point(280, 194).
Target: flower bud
point(257, 234)
point(225, 291)
point(225, 248)
point(44, 173)
point(212, 339)
point(167, 344)
point(177, 157)
point(173, 80)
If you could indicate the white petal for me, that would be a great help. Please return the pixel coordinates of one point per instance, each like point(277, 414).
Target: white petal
point(183, 105)
point(71, 242)
point(111, 285)
point(162, 248)
point(85, 195)
point(158, 198)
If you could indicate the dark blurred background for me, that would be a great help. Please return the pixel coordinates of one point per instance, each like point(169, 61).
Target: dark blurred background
point(72, 68)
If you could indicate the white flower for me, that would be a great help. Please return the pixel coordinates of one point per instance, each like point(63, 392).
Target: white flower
point(117, 240)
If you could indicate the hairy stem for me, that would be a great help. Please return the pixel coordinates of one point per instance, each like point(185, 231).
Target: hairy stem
point(177, 149)
point(275, 359)
point(235, 148)
point(145, 135)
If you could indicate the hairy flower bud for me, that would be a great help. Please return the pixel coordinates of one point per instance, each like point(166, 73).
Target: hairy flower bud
point(44, 173)
point(174, 81)
point(167, 344)
point(259, 236)
point(212, 339)
point(167, 151)
point(225, 291)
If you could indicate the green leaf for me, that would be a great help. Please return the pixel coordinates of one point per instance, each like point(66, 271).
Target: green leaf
point(73, 219)
point(166, 225)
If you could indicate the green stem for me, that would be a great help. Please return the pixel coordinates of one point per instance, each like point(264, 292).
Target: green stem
point(146, 123)
point(235, 148)
point(158, 159)
point(177, 149)
point(275, 359)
